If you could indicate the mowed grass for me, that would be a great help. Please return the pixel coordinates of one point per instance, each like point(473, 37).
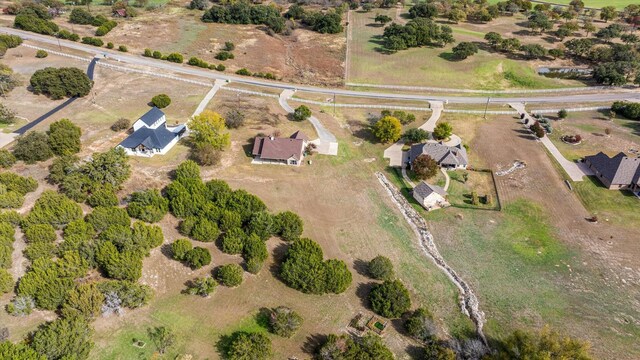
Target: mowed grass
point(526, 278)
point(619, 207)
point(433, 66)
point(619, 4)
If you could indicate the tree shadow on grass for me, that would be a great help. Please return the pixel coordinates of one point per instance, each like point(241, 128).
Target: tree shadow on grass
point(313, 343)
point(279, 253)
point(262, 318)
point(362, 292)
point(361, 267)
point(247, 147)
point(224, 344)
point(449, 56)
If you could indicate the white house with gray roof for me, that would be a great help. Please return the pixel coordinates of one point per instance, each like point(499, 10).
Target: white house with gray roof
point(151, 135)
point(431, 197)
point(447, 157)
point(616, 173)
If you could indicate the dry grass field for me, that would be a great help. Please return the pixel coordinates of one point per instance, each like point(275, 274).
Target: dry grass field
point(432, 66)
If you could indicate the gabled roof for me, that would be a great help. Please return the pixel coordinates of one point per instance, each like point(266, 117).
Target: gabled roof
point(618, 170)
point(151, 116)
point(423, 189)
point(441, 153)
point(299, 135)
point(272, 148)
point(156, 138)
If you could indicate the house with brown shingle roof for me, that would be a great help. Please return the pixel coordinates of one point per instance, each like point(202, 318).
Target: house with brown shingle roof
point(620, 172)
point(447, 157)
point(276, 150)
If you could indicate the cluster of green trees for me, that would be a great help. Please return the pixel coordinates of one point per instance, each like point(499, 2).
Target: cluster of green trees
point(304, 269)
point(404, 117)
point(92, 41)
point(417, 32)
point(6, 250)
point(147, 205)
point(630, 110)
point(58, 83)
point(194, 61)
point(35, 17)
point(94, 180)
point(195, 257)
point(161, 101)
point(67, 35)
point(107, 26)
point(62, 138)
point(173, 57)
point(329, 22)
point(244, 12)
point(245, 72)
point(13, 188)
point(83, 17)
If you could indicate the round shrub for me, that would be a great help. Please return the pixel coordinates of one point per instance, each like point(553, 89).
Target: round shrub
point(39, 250)
point(302, 113)
point(103, 217)
point(289, 225)
point(41, 54)
point(233, 241)
point(202, 286)
point(161, 101)
point(40, 233)
point(198, 257)
point(180, 249)
point(284, 322)
point(205, 230)
point(255, 346)
point(123, 48)
point(148, 205)
point(230, 275)
point(390, 299)
point(121, 124)
point(380, 268)
point(420, 325)
point(32, 147)
point(103, 196)
point(109, 45)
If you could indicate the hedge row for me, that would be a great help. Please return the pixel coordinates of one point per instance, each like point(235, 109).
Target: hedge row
point(194, 61)
point(173, 57)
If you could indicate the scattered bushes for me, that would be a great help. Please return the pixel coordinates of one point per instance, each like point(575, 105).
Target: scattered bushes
point(13, 187)
point(58, 83)
point(202, 286)
point(123, 48)
point(53, 208)
point(197, 257)
point(175, 57)
point(346, 347)
point(161, 101)
point(284, 322)
point(106, 27)
point(92, 41)
point(390, 299)
point(243, 12)
point(64, 34)
point(304, 269)
point(224, 55)
point(10, 41)
point(230, 275)
point(41, 54)
point(121, 124)
point(404, 117)
point(244, 72)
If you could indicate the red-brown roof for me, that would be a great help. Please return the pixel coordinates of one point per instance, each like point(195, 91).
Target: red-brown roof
point(272, 148)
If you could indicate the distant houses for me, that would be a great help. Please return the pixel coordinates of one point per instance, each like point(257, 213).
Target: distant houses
point(431, 197)
point(151, 135)
point(277, 150)
point(447, 157)
point(620, 172)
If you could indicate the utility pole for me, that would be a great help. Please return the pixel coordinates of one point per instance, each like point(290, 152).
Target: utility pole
point(486, 107)
point(334, 104)
point(59, 46)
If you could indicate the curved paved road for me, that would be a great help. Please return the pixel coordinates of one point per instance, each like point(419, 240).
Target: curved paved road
point(185, 69)
point(27, 127)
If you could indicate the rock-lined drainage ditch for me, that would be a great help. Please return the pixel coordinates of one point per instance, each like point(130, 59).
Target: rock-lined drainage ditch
point(468, 301)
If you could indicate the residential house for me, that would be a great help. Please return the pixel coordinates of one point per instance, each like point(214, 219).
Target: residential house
point(276, 150)
point(151, 135)
point(447, 157)
point(431, 197)
point(618, 172)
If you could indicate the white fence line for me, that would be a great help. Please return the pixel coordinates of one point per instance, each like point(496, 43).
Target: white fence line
point(57, 53)
point(474, 91)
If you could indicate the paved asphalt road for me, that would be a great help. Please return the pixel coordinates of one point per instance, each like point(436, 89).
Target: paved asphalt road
point(24, 129)
point(187, 70)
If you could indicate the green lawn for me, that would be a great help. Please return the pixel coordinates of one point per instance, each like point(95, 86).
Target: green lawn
point(525, 277)
point(433, 66)
point(620, 207)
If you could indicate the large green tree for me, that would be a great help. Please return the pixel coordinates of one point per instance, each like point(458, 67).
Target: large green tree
point(58, 83)
point(64, 338)
point(64, 137)
point(390, 299)
point(209, 128)
point(388, 129)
